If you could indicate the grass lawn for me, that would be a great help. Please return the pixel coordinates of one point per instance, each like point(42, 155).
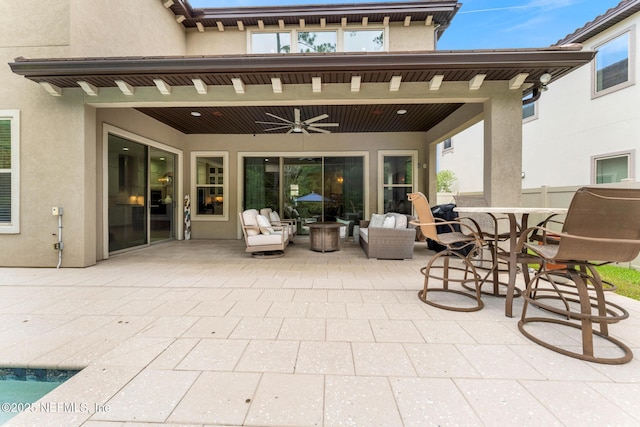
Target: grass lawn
point(626, 279)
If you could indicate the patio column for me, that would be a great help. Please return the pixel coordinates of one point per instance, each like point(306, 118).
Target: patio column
point(503, 149)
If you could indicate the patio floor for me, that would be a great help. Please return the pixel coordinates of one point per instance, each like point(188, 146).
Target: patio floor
point(199, 333)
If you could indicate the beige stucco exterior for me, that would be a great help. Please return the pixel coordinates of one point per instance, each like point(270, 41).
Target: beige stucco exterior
point(62, 138)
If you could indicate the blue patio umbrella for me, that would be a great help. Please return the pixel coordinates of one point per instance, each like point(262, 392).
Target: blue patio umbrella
point(313, 197)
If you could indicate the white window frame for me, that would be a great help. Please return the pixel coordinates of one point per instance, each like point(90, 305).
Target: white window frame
point(381, 185)
point(631, 163)
point(13, 227)
point(316, 29)
point(225, 186)
point(632, 64)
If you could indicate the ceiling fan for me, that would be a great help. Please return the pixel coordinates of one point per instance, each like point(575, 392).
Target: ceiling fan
point(297, 125)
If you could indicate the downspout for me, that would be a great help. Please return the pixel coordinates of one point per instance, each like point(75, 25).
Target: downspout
point(536, 95)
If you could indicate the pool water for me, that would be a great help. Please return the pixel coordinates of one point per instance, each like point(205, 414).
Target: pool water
point(20, 386)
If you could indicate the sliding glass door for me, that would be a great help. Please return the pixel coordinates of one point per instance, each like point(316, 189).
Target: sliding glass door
point(141, 194)
point(309, 189)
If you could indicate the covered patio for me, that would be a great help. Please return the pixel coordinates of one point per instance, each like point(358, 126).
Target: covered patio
point(197, 332)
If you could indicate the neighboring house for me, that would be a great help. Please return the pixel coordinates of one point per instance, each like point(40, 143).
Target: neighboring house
point(585, 129)
point(115, 111)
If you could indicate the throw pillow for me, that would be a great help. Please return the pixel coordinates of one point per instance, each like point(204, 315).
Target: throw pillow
point(264, 224)
point(389, 222)
point(377, 220)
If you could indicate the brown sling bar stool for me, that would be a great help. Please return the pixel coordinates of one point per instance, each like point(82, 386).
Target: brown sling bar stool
point(602, 225)
point(455, 243)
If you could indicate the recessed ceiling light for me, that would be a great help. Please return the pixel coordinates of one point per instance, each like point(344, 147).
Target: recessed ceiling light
point(125, 148)
point(401, 112)
point(196, 114)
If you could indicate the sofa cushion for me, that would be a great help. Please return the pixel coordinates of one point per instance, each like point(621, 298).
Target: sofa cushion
point(364, 235)
point(274, 217)
point(264, 239)
point(389, 221)
point(401, 220)
point(264, 224)
point(249, 219)
point(377, 220)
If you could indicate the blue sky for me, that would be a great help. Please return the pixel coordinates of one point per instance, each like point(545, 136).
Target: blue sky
point(487, 24)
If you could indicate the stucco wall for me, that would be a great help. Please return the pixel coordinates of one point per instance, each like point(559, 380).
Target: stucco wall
point(413, 38)
point(124, 28)
point(214, 42)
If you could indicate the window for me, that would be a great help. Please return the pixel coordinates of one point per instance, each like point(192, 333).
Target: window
point(529, 111)
point(396, 175)
point(320, 41)
point(447, 145)
point(613, 167)
point(9, 172)
point(614, 64)
point(209, 173)
point(271, 42)
point(364, 41)
point(336, 40)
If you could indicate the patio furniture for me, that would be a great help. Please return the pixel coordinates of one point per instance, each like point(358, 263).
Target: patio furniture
point(393, 241)
point(324, 236)
point(274, 219)
point(261, 238)
point(518, 219)
point(602, 225)
point(447, 273)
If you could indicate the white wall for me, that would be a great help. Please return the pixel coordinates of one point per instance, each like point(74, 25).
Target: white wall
point(571, 127)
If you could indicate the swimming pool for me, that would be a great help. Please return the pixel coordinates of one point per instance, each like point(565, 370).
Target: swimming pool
point(19, 387)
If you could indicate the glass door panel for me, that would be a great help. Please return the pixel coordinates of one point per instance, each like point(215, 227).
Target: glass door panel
point(127, 198)
point(162, 191)
point(344, 189)
point(303, 192)
point(262, 183)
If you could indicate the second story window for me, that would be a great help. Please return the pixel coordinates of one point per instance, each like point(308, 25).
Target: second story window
point(320, 41)
point(364, 41)
point(317, 41)
point(613, 63)
point(279, 42)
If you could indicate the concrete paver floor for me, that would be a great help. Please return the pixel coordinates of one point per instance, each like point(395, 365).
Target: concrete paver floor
point(199, 333)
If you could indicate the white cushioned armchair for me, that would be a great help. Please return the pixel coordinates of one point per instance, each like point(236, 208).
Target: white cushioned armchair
point(260, 236)
point(274, 219)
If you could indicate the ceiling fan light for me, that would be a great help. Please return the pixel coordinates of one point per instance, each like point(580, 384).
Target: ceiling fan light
point(297, 129)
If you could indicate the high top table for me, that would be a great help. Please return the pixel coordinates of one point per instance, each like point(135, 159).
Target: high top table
point(514, 258)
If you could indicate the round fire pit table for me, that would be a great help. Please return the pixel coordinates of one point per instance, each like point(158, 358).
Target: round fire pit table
point(324, 236)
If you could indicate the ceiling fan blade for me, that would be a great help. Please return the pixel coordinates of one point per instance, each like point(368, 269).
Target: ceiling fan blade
point(270, 123)
point(296, 112)
point(278, 117)
point(331, 125)
point(315, 119)
point(318, 129)
point(290, 130)
point(277, 128)
point(305, 131)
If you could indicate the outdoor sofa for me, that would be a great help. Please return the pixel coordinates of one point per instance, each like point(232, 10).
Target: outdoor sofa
point(388, 236)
